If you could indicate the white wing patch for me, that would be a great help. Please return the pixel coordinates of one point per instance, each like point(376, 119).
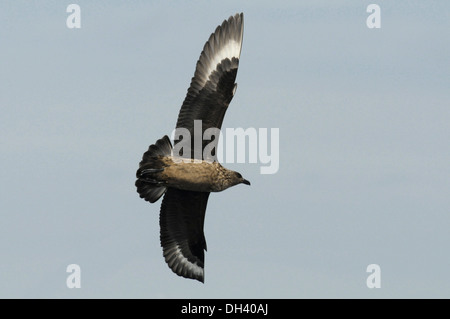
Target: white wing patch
point(173, 255)
point(231, 50)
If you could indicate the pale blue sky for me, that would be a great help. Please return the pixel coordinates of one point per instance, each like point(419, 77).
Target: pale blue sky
point(364, 127)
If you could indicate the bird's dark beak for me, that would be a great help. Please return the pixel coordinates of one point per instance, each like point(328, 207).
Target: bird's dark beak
point(246, 182)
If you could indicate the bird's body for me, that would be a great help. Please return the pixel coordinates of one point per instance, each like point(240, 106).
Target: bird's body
point(194, 175)
point(186, 181)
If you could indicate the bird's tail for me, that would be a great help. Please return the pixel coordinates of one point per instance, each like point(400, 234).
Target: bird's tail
point(149, 186)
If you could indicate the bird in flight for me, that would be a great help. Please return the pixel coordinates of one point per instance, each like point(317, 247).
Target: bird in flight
point(189, 171)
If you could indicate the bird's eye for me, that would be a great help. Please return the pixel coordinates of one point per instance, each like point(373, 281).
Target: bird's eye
point(239, 175)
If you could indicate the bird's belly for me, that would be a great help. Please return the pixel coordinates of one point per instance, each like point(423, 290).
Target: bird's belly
point(199, 177)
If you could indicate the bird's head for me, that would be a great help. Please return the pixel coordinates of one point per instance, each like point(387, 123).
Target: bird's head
point(238, 179)
point(228, 179)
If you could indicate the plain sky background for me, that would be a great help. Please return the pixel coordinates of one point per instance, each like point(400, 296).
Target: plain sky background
point(364, 128)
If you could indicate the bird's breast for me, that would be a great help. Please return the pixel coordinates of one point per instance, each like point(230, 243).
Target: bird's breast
point(199, 176)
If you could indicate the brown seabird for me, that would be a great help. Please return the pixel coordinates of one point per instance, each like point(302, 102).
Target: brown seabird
point(187, 183)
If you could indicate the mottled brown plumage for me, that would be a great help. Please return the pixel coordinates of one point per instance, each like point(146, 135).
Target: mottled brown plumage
point(193, 175)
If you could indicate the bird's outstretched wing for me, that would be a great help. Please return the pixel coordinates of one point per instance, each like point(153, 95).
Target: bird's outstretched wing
point(213, 84)
point(182, 239)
